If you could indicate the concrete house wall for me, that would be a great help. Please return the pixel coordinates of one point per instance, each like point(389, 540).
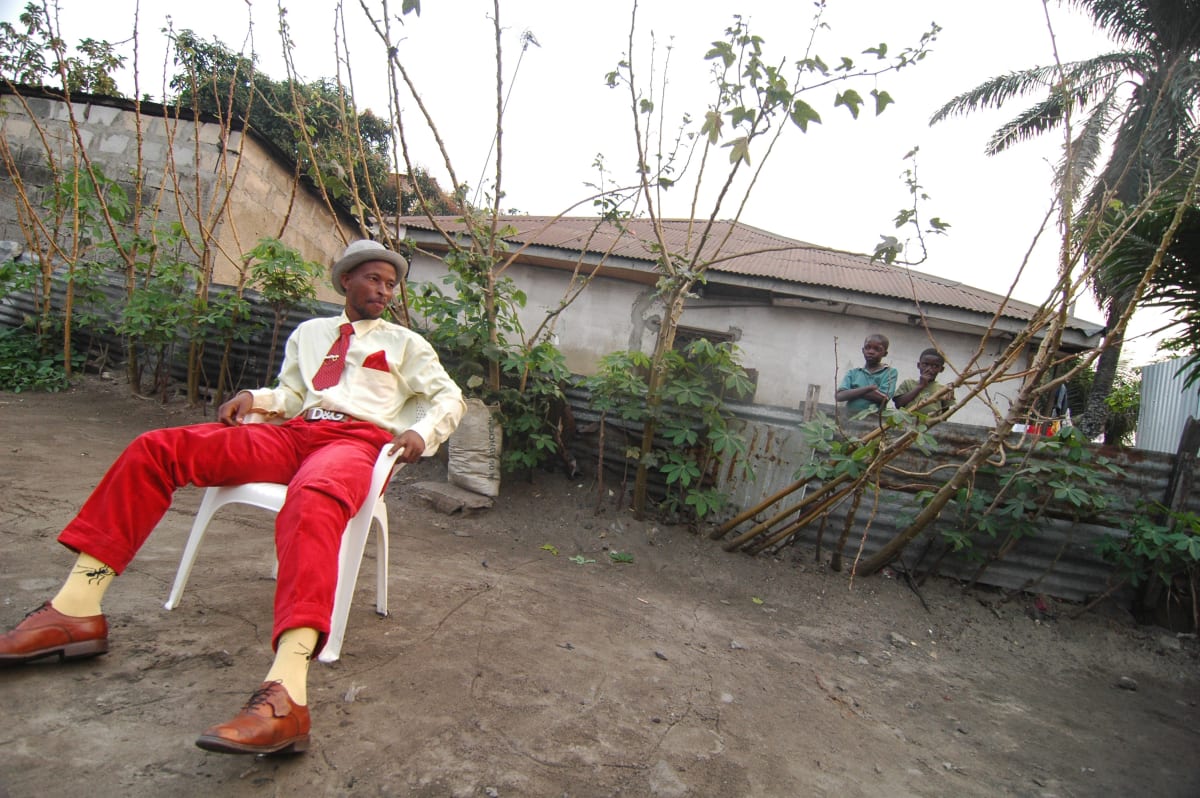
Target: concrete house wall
point(788, 347)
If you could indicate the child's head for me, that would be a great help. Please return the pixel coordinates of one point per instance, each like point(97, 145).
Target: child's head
point(931, 361)
point(875, 349)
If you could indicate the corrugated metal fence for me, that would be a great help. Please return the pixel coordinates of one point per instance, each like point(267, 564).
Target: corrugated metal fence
point(1060, 560)
point(248, 357)
point(1165, 405)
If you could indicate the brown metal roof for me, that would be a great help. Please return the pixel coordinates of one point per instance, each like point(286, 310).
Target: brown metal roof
point(750, 252)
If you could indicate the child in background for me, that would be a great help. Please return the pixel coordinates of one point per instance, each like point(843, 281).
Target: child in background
point(872, 386)
point(929, 365)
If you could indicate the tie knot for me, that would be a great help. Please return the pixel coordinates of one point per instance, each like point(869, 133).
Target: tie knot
point(346, 329)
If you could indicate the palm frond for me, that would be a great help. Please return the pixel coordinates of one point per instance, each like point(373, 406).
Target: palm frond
point(1086, 148)
point(995, 92)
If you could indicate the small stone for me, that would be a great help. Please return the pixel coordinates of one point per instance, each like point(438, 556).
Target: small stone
point(1125, 683)
point(736, 646)
point(660, 655)
point(491, 792)
point(897, 639)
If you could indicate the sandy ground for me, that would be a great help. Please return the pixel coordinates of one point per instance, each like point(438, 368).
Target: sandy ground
point(506, 669)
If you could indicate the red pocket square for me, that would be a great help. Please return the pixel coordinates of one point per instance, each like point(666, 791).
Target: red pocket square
point(377, 361)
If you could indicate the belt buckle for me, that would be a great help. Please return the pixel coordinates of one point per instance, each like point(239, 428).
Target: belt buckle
point(321, 414)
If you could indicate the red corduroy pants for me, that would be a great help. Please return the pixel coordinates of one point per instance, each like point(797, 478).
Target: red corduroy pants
point(326, 465)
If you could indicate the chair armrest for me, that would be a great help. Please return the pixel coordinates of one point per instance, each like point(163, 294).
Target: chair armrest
point(385, 468)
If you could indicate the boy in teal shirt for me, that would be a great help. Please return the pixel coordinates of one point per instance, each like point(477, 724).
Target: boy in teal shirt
point(872, 386)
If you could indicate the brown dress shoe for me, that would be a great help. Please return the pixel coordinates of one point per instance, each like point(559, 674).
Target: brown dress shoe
point(269, 723)
point(46, 632)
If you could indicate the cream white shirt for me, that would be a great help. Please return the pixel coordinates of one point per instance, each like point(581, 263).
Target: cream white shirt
point(406, 389)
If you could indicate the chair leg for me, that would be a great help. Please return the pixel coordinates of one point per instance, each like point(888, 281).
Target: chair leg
point(381, 560)
point(354, 540)
point(213, 499)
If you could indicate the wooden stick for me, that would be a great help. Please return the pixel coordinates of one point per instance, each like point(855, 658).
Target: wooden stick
point(744, 515)
point(758, 530)
point(804, 520)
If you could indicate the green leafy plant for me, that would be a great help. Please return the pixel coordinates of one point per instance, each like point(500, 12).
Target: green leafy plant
point(1160, 557)
point(474, 324)
point(692, 419)
point(1155, 549)
point(620, 557)
point(26, 366)
point(286, 281)
point(1058, 477)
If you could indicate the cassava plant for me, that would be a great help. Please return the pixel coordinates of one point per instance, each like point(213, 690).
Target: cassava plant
point(692, 419)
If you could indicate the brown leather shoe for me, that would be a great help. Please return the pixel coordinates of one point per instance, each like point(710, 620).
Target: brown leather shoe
point(269, 723)
point(46, 632)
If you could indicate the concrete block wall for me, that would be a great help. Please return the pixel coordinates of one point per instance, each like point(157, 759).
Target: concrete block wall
point(185, 171)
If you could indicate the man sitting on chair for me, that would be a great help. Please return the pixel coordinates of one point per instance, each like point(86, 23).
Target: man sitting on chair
point(342, 404)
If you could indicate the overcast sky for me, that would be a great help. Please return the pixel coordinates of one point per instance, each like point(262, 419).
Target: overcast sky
point(839, 185)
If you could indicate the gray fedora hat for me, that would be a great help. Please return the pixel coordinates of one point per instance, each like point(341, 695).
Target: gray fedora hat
point(358, 253)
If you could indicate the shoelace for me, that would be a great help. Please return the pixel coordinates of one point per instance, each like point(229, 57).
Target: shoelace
point(36, 610)
point(260, 696)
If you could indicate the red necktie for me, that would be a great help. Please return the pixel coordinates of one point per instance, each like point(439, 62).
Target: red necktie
point(331, 369)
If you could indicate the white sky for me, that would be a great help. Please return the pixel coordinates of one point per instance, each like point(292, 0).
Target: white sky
point(839, 185)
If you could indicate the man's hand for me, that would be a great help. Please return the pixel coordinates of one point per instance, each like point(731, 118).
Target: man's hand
point(233, 412)
point(412, 444)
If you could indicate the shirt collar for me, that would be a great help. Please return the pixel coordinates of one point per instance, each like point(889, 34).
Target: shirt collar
point(362, 326)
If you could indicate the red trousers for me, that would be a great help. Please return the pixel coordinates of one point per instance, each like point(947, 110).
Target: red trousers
point(326, 465)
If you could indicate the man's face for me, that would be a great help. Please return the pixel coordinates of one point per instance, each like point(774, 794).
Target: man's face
point(369, 289)
point(874, 351)
point(929, 366)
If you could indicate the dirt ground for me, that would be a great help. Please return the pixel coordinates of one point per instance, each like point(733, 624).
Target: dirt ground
point(506, 669)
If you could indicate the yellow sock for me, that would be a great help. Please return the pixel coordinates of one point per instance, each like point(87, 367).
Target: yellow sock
point(292, 656)
point(84, 589)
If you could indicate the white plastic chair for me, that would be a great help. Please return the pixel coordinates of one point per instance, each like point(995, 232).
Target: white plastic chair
point(270, 496)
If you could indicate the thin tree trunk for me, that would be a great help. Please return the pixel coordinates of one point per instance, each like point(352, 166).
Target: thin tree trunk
point(1095, 414)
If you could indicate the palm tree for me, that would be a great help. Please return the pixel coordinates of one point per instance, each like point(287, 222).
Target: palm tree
point(1146, 95)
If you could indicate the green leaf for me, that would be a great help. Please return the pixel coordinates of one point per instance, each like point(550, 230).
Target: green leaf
point(579, 559)
point(740, 114)
point(803, 113)
point(757, 600)
point(550, 548)
point(851, 99)
point(712, 126)
point(722, 50)
point(620, 556)
point(882, 100)
point(739, 150)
